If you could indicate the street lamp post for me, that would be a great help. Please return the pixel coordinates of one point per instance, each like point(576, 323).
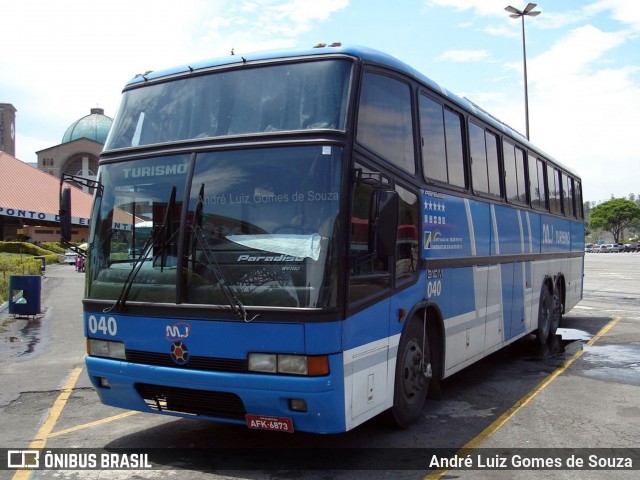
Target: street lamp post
point(515, 13)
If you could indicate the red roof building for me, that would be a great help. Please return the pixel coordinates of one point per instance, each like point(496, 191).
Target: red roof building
point(29, 203)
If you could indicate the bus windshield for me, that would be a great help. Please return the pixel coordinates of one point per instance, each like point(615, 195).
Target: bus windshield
point(264, 99)
point(260, 221)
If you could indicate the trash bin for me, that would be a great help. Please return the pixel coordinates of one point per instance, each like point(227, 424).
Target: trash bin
point(24, 294)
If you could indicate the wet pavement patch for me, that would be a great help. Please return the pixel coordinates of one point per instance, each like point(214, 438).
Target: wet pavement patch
point(21, 336)
point(613, 363)
point(571, 334)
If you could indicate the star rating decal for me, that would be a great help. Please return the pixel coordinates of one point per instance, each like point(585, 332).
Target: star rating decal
point(436, 207)
point(432, 206)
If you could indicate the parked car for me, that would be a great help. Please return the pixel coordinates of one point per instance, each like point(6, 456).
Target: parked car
point(631, 247)
point(588, 247)
point(70, 257)
point(616, 247)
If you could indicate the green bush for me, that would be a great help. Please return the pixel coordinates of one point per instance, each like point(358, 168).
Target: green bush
point(31, 249)
point(25, 263)
point(23, 247)
point(53, 247)
point(27, 266)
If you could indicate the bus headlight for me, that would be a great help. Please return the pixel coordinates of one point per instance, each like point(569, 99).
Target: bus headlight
point(263, 362)
point(294, 364)
point(106, 349)
point(316, 365)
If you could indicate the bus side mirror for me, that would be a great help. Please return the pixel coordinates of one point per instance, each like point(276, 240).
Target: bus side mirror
point(65, 214)
point(386, 224)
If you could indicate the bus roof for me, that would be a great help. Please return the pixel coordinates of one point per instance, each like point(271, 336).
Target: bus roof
point(367, 55)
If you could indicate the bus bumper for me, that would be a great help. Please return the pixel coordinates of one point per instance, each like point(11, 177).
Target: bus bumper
point(221, 396)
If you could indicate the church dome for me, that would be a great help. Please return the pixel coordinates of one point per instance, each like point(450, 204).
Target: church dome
point(94, 126)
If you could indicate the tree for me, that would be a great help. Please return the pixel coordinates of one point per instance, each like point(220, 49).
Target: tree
point(615, 216)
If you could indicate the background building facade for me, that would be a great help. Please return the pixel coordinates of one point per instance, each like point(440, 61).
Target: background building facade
point(29, 197)
point(80, 148)
point(8, 128)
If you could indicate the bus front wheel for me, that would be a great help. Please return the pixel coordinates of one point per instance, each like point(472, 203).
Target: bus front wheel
point(413, 374)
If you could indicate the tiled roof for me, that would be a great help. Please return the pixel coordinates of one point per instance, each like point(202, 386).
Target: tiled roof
point(33, 192)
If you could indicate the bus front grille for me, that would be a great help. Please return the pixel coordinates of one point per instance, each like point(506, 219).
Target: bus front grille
point(210, 364)
point(191, 401)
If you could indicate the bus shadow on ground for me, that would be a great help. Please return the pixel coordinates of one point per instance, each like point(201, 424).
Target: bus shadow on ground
point(471, 400)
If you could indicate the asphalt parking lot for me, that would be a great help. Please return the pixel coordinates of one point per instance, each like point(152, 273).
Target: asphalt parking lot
point(580, 392)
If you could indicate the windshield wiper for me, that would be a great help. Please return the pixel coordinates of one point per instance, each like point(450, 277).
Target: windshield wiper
point(158, 231)
point(236, 305)
point(211, 263)
point(167, 228)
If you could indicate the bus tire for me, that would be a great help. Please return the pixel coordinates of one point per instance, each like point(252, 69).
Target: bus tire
point(545, 315)
point(413, 375)
point(558, 298)
point(556, 311)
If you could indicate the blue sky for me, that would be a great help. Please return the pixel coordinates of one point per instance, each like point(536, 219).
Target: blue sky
point(68, 56)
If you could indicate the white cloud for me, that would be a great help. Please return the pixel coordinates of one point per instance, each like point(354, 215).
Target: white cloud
point(585, 114)
point(502, 31)
point(624, 11)
point(465, 55)
point(584, 109)
point(72, 55)
point(574, 54)
point(303, 12)
point(484, 7)
point(271, 22)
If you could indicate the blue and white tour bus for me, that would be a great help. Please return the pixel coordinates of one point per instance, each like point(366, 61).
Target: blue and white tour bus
point(302, 240)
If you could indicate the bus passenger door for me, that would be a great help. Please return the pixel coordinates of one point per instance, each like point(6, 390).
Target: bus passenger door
point(373, 233)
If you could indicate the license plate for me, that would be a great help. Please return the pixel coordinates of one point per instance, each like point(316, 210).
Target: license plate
point(264, 422)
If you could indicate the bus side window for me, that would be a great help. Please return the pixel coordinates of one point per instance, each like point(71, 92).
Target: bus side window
point(544, 188)
point(384, 120)
point(536, 183)
point(442, 150)
point(407, 239)
point(369, 274)
point(553, 181)
point(578, 196)
point(514, 168)
point(493, 168)
point(455, 148)
point(434, 152)
point(567, 195)
point(484, 160)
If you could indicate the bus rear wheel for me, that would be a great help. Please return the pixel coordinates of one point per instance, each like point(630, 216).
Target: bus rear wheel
point(413, 374)
point(545, 315)
point(556, 317)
